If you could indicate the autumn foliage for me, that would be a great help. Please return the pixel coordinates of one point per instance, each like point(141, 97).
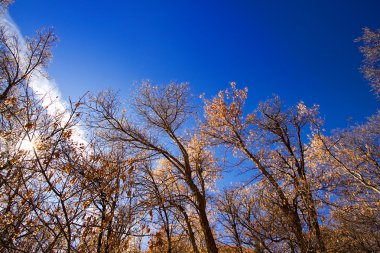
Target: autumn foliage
point(144, 179)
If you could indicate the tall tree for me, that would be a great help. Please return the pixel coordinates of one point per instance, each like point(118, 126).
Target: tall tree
point(272, 140)
point(162, 114)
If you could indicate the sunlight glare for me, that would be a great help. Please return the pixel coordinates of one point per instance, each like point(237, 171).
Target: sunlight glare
point(27, 145)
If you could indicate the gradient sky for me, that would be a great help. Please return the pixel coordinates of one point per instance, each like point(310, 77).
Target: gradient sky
point(301, 50)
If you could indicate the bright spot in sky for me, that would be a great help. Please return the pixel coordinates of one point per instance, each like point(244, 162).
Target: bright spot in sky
point(27, 145)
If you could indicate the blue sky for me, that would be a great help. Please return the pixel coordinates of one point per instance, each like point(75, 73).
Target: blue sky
point(301, 50)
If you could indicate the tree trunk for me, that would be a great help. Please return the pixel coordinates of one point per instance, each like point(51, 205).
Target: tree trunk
point(209, 237)
point(190, 231)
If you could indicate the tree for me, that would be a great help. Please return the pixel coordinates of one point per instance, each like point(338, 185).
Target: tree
point(39, 187)
point(162, 113)
point(349, 161)
point(272, 140)
point(155, 190)
point(229, 217)
point(37, 194)
point(371, 61)
point(251, 220)
point(111, 210)
point(351, 158)
point(19, 60)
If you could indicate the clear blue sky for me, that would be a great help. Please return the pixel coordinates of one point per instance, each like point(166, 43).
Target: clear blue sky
point(301, 50)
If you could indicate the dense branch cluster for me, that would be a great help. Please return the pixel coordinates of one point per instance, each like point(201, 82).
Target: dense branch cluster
point(145, 179)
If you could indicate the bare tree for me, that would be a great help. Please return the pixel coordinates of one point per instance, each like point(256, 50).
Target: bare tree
point(162, 114)
point(20, 59)
point(229, 218)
